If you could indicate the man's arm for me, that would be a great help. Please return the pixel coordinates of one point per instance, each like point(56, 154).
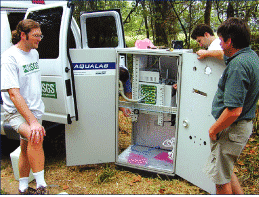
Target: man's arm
point(210, 53)
point(225, 120)
point(36, 128)
point(126, 111)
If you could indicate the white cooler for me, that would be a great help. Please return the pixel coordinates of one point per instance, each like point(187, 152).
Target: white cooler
point(15, 160)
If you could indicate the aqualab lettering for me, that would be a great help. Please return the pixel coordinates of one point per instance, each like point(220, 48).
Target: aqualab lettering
point(91, 66)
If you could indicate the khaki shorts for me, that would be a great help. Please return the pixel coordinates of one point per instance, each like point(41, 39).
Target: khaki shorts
point(15, 120)
point(226, 150)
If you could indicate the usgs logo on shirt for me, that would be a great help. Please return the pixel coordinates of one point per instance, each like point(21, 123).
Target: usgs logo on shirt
point(30, 67)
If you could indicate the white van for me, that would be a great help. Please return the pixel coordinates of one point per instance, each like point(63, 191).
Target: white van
point(80, 88)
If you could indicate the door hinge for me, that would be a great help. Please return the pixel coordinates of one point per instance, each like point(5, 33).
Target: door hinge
point(69, 121)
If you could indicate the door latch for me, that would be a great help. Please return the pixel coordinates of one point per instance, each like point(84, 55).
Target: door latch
point(67, 69)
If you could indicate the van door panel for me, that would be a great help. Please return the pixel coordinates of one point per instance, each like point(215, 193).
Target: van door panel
point(92, 139)
point(54, 63)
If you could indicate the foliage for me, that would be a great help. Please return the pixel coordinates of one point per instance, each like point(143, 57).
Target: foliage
point(256, 121)
point(164, 21)
point(255, 42)
point(3, 192)
point(106, 174)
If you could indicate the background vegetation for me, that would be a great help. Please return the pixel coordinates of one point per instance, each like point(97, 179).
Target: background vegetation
point(164, 21)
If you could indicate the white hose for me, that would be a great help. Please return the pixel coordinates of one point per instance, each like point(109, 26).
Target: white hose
point(121, 90)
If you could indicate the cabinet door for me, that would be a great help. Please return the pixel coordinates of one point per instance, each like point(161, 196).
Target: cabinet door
point(92, 139)
point(199, 81)
point(58, 93)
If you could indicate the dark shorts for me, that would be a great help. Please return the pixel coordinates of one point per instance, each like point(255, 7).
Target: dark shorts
point(226, 150)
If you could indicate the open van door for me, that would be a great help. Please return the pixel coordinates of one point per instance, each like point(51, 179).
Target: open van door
point(93, 138)
point(58, 91)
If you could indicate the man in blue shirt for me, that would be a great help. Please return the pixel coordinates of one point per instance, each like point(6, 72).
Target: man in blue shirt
point(233, 106)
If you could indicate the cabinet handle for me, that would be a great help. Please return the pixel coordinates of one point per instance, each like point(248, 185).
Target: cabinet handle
point(186, 123)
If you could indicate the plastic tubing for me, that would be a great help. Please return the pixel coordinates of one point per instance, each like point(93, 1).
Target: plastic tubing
point(121, 90)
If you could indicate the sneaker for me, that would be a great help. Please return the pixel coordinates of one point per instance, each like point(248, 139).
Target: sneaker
point(28, 191)
point(42, 190)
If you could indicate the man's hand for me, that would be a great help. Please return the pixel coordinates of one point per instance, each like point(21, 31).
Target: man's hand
point(212, 134)
point(126, 111)
point(202, 54)
point(37, 132)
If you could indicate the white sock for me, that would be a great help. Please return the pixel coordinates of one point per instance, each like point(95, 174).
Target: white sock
point(23, 183)
point(39, 176)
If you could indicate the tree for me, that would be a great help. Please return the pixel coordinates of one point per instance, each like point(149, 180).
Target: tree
point(143, 4)
point(207, 12)
point(230, 10)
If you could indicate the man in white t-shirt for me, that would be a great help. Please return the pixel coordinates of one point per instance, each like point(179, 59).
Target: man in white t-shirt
point(21, 94)
point(204, 35)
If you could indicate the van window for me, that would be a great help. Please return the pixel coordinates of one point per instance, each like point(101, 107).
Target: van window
point(14, 19)
point(50, 21)
point(101, 32)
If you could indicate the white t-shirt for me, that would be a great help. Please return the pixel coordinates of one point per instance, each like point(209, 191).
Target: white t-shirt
point(215, 45)
point(20, 69)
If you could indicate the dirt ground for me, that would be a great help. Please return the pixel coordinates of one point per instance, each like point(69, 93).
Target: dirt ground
point(111, 179)
point(96, 179)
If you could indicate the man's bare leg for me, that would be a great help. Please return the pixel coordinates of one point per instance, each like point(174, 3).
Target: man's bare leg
point(35, 153)
point(236, 187)
point(224, 189)
point(24, 165)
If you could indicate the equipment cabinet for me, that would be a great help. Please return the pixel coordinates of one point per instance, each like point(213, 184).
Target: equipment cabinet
point(170, 127)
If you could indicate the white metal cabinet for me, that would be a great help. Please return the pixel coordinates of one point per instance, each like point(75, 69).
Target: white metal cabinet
point(154, 72)
point(197, 83)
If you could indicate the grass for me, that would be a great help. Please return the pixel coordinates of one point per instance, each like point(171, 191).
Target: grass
point(247, 168)
point(106, 175)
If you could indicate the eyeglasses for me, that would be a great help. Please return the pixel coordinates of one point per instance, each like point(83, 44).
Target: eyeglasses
point(38, 36)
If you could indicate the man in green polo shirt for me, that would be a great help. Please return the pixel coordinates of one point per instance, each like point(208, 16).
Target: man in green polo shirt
point(233, 106)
